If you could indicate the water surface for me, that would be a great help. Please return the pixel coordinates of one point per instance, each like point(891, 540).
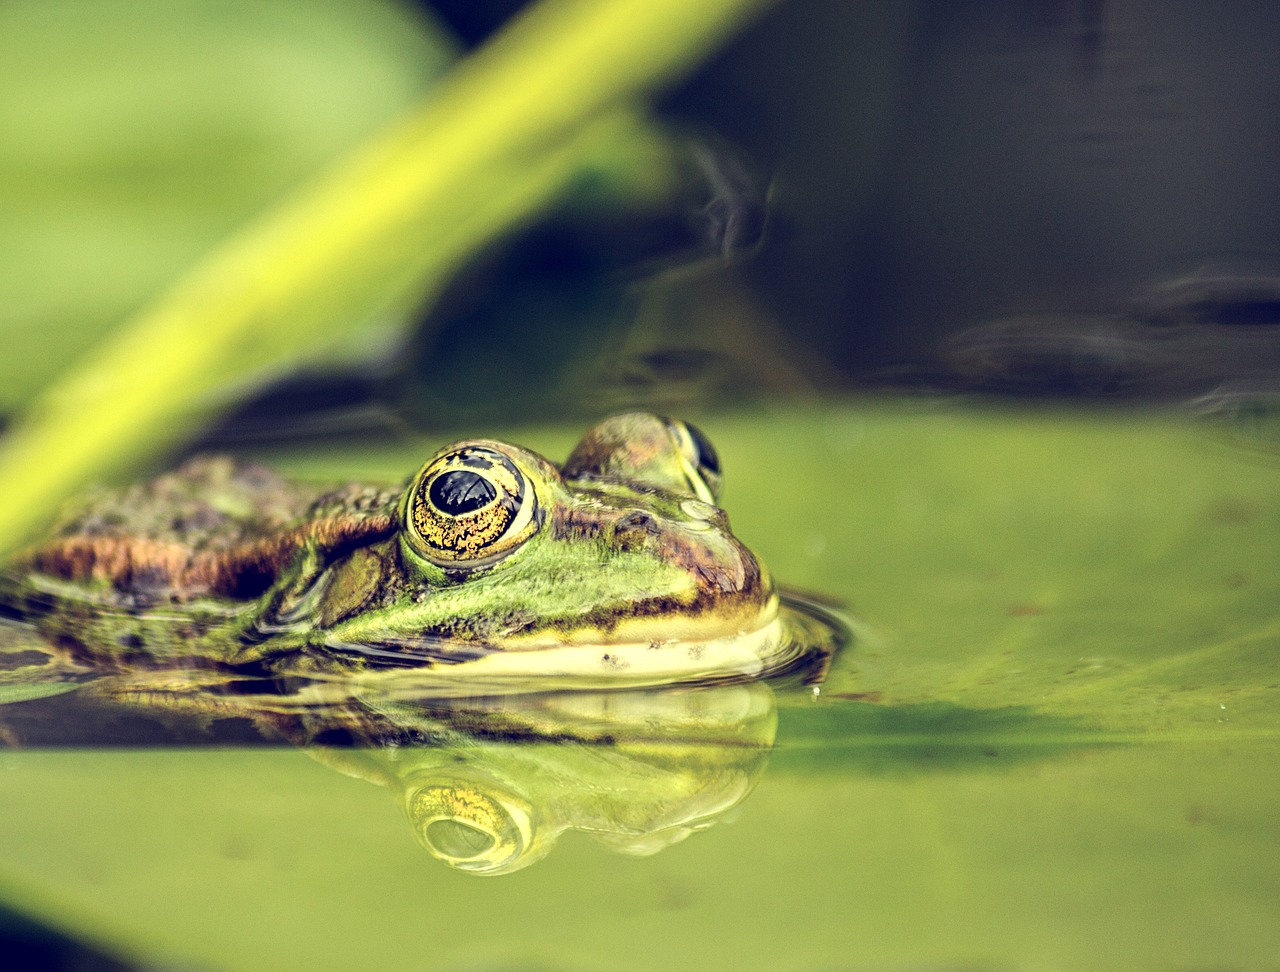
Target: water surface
point(1054, 744)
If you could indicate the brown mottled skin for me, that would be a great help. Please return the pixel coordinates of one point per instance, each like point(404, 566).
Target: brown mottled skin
point(211, 527)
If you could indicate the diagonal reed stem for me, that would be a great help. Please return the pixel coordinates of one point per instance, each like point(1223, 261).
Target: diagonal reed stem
point(495, 143)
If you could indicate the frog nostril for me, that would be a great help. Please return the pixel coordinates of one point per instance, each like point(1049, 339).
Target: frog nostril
point(633, 528)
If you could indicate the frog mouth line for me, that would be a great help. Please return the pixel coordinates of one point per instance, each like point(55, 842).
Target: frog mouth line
point(748, 654)
point(802, 636)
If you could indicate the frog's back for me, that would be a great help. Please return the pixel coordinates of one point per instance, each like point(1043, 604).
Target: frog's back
point(208, 502)
point(213, 526)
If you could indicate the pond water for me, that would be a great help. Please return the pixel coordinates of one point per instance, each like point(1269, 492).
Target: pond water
point(1054, 743)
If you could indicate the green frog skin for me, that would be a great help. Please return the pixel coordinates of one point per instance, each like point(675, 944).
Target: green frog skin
point(490, 568)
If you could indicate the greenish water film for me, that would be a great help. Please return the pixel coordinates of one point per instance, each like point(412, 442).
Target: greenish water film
point(1052, 745)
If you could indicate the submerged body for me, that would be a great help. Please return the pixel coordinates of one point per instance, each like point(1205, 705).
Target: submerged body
point(491, 566)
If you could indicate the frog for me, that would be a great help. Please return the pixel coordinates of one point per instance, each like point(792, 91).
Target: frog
point(489, 568)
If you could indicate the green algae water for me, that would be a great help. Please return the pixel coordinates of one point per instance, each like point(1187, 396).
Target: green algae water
point(1053, 743)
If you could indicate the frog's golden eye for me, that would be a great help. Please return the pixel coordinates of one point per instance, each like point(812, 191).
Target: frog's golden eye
point(469, 507)
point(698, 459)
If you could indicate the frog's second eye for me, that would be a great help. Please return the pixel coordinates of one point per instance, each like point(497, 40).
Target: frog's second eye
point(698, 459)
point(470, 507)
point(645, 449)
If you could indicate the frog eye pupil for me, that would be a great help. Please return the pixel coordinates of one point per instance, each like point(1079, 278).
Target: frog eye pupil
point(707, 457)
point(469, 507)
point(461, 491)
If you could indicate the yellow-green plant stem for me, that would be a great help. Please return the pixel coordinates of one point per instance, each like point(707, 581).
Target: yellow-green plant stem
point(493, 144)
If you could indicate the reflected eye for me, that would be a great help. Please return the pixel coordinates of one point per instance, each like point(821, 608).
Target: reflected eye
point(470, 507)
point(698, 458)
point(479, 830)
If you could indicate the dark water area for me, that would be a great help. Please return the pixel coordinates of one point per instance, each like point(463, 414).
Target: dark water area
point(1056, 201)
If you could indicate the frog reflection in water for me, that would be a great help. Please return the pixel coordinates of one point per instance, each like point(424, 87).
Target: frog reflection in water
point(504, 777)
point(493, 569)
point(487, 785)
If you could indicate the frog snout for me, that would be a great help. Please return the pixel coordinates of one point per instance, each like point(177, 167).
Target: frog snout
point(704, 516)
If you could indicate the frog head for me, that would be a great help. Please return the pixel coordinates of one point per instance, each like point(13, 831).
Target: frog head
point(618, 566)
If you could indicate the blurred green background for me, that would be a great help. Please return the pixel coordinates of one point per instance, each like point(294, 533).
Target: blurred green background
point(141, 134)
point(895, 174)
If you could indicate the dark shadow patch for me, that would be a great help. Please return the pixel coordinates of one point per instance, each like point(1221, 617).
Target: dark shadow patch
point(864, 738)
